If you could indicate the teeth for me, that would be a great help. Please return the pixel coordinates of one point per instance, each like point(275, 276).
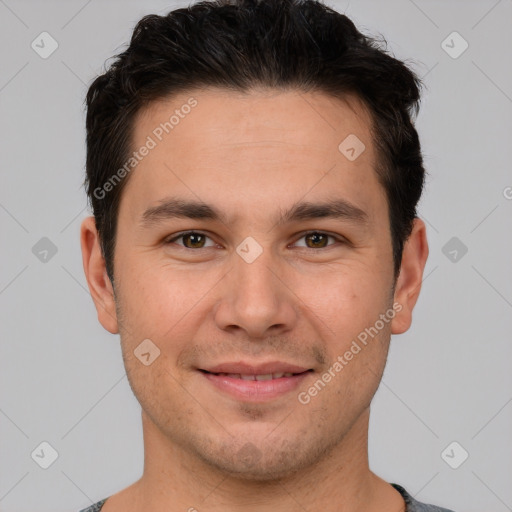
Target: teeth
point(267, 376)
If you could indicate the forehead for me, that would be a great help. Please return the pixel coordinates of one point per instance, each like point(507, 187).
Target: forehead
point(218, 141)
point(312, 119)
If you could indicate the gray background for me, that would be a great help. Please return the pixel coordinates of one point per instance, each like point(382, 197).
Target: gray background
point(448, 378)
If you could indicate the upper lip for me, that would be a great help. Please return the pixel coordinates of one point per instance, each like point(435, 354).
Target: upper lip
point(255, 369)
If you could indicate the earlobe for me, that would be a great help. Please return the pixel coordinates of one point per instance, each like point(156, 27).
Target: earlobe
point(98, 281)
point(408, 285)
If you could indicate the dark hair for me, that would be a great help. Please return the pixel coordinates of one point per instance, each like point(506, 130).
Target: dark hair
point(241, 44)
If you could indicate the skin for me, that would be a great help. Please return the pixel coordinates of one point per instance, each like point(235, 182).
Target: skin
point(301, 301)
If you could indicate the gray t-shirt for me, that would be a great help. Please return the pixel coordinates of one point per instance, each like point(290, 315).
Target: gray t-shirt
point(411, 504)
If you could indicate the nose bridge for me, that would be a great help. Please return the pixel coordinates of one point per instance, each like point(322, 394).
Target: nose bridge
point(255, 298)
point(254, 274)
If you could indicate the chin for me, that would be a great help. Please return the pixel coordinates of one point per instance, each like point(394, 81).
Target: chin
point(268, 464)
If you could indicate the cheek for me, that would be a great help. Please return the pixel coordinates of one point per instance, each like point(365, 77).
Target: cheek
point(152, 301)
point(346, 298)
point(168, 305)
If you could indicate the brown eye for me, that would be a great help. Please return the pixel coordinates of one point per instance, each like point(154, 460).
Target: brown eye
point(195, 240)
point(191, 240)
point(316, 240)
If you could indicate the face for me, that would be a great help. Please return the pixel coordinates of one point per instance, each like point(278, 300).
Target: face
point(249, 244)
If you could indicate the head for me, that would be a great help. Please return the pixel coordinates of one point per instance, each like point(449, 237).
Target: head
point(283, 124)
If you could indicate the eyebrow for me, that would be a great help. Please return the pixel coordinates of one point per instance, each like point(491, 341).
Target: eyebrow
point(171, 208)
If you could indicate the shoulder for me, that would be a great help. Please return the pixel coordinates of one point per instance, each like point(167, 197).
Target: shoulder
point(414, 505)
point(94, 508)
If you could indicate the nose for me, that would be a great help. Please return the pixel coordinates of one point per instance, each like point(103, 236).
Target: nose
point(256, 298)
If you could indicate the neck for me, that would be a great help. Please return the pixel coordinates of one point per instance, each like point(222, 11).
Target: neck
point(341, 481)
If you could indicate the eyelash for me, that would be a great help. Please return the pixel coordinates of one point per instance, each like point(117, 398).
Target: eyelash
point(185, 233)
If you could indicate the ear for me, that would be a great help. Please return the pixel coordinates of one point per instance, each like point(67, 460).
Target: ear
point(100, 287)
point(409, 280)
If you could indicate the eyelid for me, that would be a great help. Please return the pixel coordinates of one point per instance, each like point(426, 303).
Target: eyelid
point(303, 234)
point(338, 238)
point(175, 236)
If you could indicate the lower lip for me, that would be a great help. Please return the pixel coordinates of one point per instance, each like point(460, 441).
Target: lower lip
point(256, 390)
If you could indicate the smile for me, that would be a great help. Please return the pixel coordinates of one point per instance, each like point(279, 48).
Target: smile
point(256, 388)
point(267, 376)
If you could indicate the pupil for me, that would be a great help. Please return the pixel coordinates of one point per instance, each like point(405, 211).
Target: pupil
point(316, 236)
point(193, 237)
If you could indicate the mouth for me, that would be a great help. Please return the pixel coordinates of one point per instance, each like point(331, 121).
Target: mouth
point(258, 377)
point(256, 387)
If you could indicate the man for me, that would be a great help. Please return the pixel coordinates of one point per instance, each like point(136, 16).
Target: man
point(254, 173)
